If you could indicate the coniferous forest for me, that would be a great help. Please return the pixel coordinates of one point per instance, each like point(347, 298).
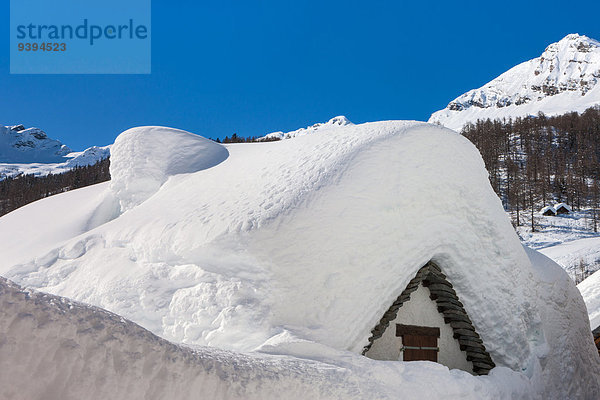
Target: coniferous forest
point(537, 161)
point(18, 191)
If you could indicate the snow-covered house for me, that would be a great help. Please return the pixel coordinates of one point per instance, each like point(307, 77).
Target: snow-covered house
point(562, 208)
point(318, 250)
point(548, 211)
point(428, 322)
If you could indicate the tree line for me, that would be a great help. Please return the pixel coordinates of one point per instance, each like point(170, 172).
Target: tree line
point(18, 191)
point(251, 139)
point(536, 161)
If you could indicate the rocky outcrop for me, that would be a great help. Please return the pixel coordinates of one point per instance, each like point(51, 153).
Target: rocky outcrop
point(27, 145)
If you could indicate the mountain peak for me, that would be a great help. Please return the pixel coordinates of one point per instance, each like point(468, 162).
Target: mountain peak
point(563, 78)
point(26, 145)
point(339, 120)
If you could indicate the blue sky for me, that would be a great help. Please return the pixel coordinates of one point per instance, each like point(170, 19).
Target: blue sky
point(223, 67)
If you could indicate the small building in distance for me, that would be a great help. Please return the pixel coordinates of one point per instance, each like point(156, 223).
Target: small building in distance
point(548, 211)
point(562, 208)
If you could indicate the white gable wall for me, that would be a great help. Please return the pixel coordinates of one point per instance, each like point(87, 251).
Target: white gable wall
point(422, 311)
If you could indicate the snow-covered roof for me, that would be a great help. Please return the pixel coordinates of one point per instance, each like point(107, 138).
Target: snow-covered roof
point(562, 205)
point(548, 208)
point(293, 245)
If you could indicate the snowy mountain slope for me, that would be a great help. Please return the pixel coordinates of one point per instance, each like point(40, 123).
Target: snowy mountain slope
point(318, 127)
point(20, 145)
point(566, 239)
point(570, 254)
point(58, 218)
point(563, 79)
point(268, 248)
point(77, 351)
point(30, 151)
point(74, 159)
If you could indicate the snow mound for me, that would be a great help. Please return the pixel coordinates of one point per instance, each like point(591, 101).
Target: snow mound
point(296, 246)
point(563, 79)
point(57, 349)
point(144, 158)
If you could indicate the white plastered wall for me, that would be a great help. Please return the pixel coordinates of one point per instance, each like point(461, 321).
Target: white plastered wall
point(422, 311)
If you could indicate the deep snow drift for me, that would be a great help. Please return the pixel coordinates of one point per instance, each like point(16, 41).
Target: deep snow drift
point(563, 79)
point(146, 157)
point(55, 349)
point(298, 247)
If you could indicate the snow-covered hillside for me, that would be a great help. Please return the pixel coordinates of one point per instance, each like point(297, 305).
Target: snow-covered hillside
point(563, 79)
point(318, 127)
point(567, 239)
point(298, 247)
point(31, 151)
point(74, 159)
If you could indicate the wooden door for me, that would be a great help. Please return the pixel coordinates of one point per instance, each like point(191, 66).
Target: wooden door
point(420, 348)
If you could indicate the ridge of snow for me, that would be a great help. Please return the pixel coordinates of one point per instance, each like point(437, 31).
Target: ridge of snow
point(563, 79)
point(144, 158)
point(334, 122)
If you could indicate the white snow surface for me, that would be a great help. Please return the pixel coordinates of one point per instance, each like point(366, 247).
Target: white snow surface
point(590, 290)
point(145, 157)
point(563, 79)
point(298, 246)
point(55, 349)
point(568, 239)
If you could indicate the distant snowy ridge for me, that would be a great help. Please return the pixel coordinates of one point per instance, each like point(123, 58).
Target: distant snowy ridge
point(24, 145)
point(563, 79)
point(31, 151)
point(333, 123)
